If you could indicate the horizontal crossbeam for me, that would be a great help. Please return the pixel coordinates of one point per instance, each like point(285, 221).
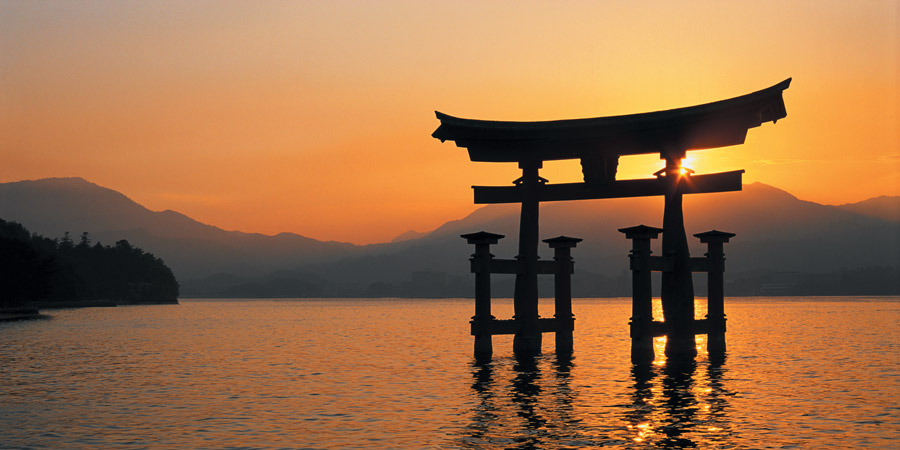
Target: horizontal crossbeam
point(513, 266)
point(689, 184)
point(512, 326)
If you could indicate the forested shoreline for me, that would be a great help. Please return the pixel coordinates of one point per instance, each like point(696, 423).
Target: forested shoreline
point(60, 272)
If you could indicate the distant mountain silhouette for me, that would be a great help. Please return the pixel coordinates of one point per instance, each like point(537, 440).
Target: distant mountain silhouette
point(776, 234)
point(409, 235)
point(884, 207)
point(192, 249)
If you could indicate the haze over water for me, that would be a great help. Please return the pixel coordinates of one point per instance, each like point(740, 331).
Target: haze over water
point(336, 373)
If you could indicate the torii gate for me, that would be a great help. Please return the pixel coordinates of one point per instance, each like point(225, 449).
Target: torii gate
point(598, 143)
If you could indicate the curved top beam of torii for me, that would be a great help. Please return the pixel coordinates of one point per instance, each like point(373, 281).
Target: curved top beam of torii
point(670, 132)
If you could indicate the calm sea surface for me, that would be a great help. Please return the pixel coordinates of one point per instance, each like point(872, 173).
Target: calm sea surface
point(799, 373)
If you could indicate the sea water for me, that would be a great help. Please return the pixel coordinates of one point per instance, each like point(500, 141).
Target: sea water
point(395, 373)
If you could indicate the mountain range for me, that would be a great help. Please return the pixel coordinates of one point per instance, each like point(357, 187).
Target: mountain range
point(781, 242)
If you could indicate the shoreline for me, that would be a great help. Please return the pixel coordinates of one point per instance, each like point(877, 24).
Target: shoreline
point(25, 313)
point(32, 310)
point(92, 304)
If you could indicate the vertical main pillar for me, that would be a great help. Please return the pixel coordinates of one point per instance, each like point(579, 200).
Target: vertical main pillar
point(481, 266)
point(527, 339)
point(677, 291)
point(715, 315)
point(562, 254)
point(641, 292)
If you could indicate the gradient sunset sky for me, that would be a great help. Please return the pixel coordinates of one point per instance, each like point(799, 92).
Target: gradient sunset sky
point(316, 117)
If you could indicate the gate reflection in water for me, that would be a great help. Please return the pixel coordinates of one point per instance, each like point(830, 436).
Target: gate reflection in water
point(529, 402)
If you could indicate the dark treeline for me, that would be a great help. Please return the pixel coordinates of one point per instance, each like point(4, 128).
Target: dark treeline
point(46, 271)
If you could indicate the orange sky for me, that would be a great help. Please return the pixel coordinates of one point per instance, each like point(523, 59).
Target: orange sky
point(315, 117)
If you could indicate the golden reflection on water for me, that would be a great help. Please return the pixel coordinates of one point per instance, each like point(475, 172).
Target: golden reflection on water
point(531, 403)
point(679, 406)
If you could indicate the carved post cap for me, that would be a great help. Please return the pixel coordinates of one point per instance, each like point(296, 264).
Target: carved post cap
point(714, 236)
point(563, 242)
point(482, 237)
point(641, 232)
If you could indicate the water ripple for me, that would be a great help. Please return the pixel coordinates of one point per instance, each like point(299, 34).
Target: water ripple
point(328, 374)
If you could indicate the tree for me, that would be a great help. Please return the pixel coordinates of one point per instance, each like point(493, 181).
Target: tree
point(65, 243)
point(37, 268)
point(26, 271)
point(85, 240)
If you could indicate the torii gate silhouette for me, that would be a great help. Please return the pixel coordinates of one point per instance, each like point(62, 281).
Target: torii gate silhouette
point(598, 143)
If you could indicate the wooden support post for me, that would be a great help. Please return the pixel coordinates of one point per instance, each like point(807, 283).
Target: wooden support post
point(677, 291)
point(641, 292)
point(481, 266)
point(562, 255)
point(525, 302)
point(715, 315)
